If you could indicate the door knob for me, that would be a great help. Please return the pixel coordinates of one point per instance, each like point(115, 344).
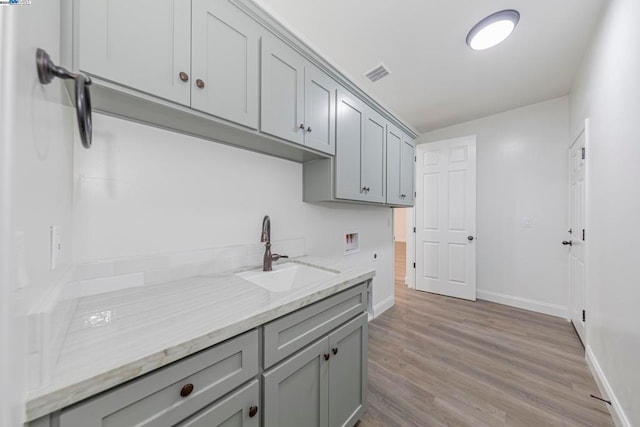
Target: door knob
point(565, 242)
point(470, 238)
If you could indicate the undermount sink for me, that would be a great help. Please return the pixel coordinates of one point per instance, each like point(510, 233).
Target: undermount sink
point(287, 276)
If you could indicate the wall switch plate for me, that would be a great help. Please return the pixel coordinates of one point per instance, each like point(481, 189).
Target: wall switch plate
point(55, 239)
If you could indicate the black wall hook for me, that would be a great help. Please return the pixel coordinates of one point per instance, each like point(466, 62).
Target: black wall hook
point(47, 71)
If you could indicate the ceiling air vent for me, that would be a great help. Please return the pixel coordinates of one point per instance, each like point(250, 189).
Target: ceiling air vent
point(377, 73)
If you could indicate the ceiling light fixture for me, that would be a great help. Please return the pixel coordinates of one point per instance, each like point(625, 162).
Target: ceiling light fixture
point(493, 29)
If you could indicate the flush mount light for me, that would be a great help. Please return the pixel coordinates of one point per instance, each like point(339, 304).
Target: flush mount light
point(493, 29)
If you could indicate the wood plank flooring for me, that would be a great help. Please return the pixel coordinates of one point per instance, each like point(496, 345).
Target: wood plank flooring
point(439, 361)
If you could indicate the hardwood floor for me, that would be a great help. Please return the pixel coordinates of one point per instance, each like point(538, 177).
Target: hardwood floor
point(439, 361)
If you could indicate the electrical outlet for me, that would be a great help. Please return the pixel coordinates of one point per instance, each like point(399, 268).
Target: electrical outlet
point(55, 239)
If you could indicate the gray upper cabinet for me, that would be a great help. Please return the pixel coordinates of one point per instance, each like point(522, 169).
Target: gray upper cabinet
point(298, 99)
point(394, 159)
point(407, 170)
point(145, 44)
point(320, 110)
point(350, 128)
point(282, 103)
point(400, 164)
point(296, 391)
point(373, 158)
point(225, 59)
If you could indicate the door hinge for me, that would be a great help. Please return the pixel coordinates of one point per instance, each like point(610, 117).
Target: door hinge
point(414, 265)
point(584, 153)
point(584, 315)
point(583, 239)
point(414, 229)
point(415, 194)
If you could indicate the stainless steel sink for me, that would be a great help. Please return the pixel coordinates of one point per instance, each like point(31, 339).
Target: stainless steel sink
point(287, 276)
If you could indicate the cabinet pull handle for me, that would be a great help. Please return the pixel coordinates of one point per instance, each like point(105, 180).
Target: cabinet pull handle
point(301, 126)
point(309, 129)
point(253, 411)
point(200, 84)
point(335, 350)
point(184, 76)
point(327, 356)
point(186, 390)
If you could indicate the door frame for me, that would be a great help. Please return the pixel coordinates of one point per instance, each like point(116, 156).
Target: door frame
point(585, 129)
point(411, 217)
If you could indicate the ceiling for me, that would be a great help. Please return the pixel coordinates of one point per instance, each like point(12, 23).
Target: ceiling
point(436, 80)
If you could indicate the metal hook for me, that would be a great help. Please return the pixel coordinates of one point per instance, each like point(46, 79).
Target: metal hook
point(47, 71)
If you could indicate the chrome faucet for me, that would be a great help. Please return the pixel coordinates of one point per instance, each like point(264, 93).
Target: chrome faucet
point(266, 239)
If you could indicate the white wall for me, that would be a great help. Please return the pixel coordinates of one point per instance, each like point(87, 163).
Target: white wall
point(142, 190)
point(608, 93)
point(400, 224)
point(522, 174)
point(36, 185)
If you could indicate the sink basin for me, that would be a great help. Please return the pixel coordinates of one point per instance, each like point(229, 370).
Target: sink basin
point(285, 277)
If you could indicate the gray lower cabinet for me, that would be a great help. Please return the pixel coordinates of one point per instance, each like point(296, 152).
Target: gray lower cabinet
point(323, 385)
point(240, 409)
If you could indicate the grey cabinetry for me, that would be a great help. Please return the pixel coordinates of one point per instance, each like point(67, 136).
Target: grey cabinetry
point(400, 164)
point(225, 62)
point(145, 44)
point(373, 157)
point(350, 127)
point(172, 394)
point(240, 409)
point(360, 151)
point(323, 385)
point(297, 99)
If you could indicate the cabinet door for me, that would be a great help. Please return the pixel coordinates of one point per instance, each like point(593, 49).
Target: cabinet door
point(374, 157)
point(394, 160)
point(348, 372)
point(225, 59)
point(296, 391)
point(319, 112)
point(350, 120)
point(408, 163)
point(130, 43)
point(282, 101)
point(232, 411)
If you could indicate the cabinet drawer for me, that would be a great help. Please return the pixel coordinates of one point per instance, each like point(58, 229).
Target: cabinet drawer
point(155, 399)
point(284, 336)
point(233, 410)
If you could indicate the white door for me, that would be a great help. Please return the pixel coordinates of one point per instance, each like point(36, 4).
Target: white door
point(446, 217)
point(576, 239)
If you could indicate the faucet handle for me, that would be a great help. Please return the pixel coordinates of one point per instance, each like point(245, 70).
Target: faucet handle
point(276, 257)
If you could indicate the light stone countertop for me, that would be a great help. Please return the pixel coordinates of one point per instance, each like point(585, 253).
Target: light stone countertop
point(116, 336)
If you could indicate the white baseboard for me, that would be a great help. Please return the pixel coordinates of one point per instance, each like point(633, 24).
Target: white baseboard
point(383, 306)
point(524, 303)
point(619, 417)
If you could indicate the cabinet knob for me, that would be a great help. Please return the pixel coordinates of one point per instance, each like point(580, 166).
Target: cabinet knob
point(301, 126)
point(186, 390)
point(327, 356)
point(402, 196)
point(184, 76)
point(200, 84)
point(253, 411)
point(335, 350)
point(368, 189)
point(309, 129)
